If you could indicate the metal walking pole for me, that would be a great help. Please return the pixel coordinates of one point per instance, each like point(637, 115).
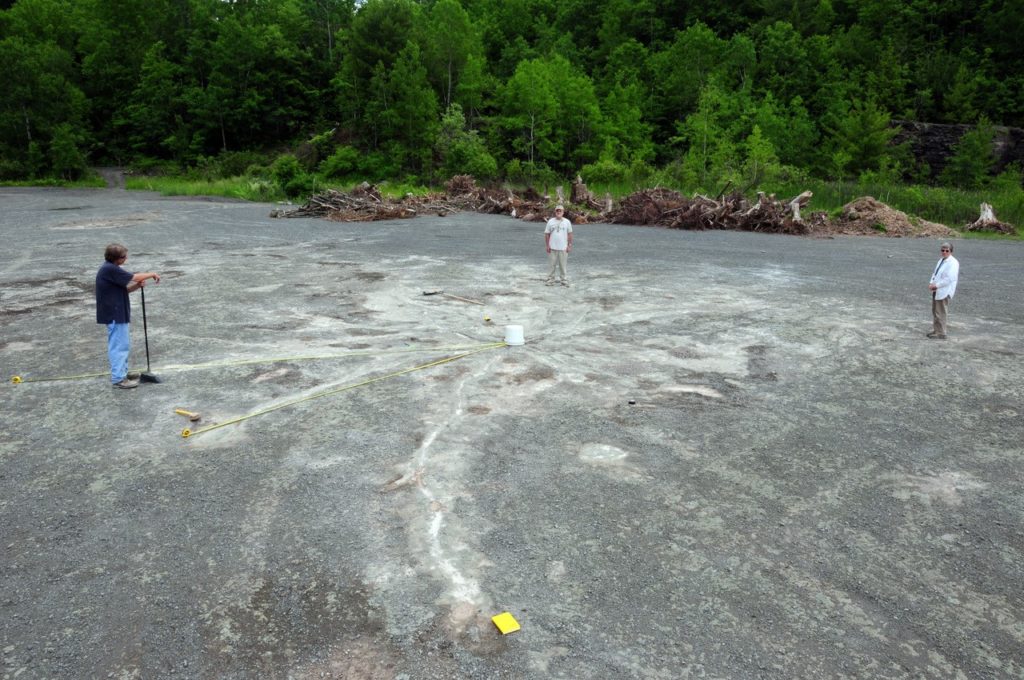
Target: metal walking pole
point(146, 377)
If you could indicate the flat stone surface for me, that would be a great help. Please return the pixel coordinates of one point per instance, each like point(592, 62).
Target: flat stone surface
point(804, 487)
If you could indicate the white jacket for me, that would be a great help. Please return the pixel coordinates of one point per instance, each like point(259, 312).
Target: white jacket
point(945, 277)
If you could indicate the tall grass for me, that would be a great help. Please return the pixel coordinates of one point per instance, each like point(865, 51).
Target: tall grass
point(244, 188)
point(92, 181)
point(952, 207)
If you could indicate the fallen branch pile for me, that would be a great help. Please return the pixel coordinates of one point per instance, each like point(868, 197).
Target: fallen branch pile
point(671, 209)
point(658, 207)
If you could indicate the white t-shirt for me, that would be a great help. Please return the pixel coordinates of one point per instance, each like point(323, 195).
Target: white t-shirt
point(559, 230)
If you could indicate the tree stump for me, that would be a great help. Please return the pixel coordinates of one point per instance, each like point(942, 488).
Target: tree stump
point(797, 203)
point(987, 222)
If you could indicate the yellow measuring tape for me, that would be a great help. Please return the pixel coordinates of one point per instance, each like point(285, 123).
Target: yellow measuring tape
point(186, 433)
point(17, 380)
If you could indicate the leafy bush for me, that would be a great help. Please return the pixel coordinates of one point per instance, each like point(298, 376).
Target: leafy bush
point(11, 170)
point(379, 165)
point(237, 163)
point(1012, 177)
point(302, 184)
point(340, 164)
point(144, 165)
point(285, 169)
point(461, 151)
point(65, 157)
point(605, 171)
point(469, 157)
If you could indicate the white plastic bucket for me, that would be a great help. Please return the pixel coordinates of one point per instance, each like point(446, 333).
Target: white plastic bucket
point(514, 335)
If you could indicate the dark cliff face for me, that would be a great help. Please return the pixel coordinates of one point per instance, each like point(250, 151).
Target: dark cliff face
point(933, 143)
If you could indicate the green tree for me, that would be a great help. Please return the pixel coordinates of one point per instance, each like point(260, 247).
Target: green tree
point(42, 21)
point(961, 100)
point(378, 31)
point(473, 89)
point(858, 139)
point(460, 150)
point(711, 148)
point(761, 162)
point(450, 44)
point(682, 71)
point(155, 106)
point(627, 134)
point(38, 97)
point(529, 109)
point(416, 110)
point(973, 158)
point(402, 112)
point(789, 128)
point(65, 157)
point(551, 115)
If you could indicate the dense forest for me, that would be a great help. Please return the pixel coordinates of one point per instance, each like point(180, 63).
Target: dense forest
point(699, 91)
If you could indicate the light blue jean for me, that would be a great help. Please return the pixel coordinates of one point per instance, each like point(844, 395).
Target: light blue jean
point(119, 342)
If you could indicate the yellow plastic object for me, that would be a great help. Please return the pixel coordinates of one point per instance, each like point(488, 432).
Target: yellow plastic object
point(16, 380)
point(186, 433)
point(506, 623)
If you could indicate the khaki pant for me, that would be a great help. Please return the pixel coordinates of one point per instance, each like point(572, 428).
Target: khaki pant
point(559, 259)
point(939, 308)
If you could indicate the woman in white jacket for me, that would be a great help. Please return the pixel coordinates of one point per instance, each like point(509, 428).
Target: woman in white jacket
point(943, 286)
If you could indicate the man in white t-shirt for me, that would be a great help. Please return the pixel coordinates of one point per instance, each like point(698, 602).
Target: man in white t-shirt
point(558, 241)
point(943, 286)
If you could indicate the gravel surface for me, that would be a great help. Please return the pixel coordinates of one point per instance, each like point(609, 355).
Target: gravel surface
point(718, 455)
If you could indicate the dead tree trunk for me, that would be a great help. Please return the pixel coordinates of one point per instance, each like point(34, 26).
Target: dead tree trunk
point(987, 222)
point(797, 203)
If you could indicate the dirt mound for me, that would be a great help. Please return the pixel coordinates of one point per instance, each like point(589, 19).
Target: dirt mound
point(869, 216)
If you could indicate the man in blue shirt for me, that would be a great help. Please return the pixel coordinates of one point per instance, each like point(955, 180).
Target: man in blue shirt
point(113, 310)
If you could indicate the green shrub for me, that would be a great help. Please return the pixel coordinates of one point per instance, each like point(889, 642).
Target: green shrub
point(237, 163)
point(11, 170)
point(284, 169)
point(379, 165)
point(340, 164)
point(145, 165)
point(605, 171)
point(302, 184)
point(469, 156)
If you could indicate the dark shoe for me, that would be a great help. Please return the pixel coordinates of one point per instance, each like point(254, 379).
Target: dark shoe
point(126, 384)
point(936, 336)
point(134, 375)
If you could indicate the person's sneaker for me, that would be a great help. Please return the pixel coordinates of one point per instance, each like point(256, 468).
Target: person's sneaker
point(936, 336)
point(126, 384)
point(549, 282)
point(565, 283)
point(135, 375)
